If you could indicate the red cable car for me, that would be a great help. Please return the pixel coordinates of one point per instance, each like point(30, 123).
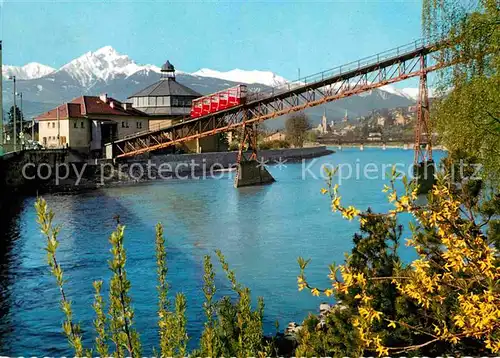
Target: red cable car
point(218, 101)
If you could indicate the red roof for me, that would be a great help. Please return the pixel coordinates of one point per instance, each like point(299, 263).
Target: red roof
point(84, 106)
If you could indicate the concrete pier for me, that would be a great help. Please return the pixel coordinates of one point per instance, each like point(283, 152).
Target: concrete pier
point(423, 173)
point(252, 173)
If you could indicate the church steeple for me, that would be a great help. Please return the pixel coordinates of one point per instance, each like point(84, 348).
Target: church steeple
point(324, 124)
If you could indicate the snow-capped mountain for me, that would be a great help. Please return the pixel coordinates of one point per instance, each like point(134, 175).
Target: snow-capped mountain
point(408, 92)
point(107, 71)
point(104, 64)
point(29, 71)
point(251, 77)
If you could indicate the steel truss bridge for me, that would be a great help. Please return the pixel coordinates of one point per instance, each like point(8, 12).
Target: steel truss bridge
point(398, 64)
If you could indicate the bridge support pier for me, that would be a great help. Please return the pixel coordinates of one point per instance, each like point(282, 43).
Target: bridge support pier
point(250, 171)
point(423, 165)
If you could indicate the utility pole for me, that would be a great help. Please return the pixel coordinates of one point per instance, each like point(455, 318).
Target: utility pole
point(13, 78)
point(21, 134)
point(20, 94)
point(1, 102)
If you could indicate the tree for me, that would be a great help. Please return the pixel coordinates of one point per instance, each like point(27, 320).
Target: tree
point(19, 115)
point(468, 117)
point(296, 127)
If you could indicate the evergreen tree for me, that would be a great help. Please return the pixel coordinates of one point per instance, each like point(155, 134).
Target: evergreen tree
point(19, 115)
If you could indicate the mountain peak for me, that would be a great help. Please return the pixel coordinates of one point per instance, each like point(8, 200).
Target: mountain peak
point(29, 71)
point(106, 50)
point(267, 78)
point(103, 64)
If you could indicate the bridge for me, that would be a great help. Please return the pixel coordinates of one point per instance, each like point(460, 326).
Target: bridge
point(398, 64)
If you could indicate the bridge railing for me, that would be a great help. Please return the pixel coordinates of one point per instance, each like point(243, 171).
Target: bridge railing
point(348, 67)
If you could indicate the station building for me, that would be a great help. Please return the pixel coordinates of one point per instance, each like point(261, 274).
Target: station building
point(88, 122)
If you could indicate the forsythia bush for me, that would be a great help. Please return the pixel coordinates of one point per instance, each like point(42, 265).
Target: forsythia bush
point(445, 301)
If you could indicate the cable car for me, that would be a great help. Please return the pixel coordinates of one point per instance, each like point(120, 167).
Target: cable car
point(218, 101)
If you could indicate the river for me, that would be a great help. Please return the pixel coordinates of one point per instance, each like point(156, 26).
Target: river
point(260, 230)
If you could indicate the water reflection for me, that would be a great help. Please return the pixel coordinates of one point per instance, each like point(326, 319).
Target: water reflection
point(9, 233)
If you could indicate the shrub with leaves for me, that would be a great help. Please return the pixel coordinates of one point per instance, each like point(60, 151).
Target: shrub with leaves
point(232, 328)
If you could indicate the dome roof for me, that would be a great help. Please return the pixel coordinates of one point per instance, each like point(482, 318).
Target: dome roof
point(167, 67)
point(166, 87)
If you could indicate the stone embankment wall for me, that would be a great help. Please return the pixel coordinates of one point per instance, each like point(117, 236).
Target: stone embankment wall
point(30, 170)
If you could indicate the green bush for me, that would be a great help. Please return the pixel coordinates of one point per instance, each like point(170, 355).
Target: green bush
point(274, 144)
point(234, 146)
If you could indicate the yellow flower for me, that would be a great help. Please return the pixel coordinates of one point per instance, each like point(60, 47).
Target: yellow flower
point(382, 351)
point(324, 191)
point(315, 292)
point(329, 292)
point(392, 324)
point(336, 203)
point(350, 212)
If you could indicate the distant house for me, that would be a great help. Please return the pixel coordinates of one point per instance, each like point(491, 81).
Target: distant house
point(88, 122)
point(381, 121)
point(374, 137)
point(400, 119)
point(275, 136)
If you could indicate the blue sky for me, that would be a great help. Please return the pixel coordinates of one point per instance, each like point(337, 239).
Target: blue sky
point(280, 36)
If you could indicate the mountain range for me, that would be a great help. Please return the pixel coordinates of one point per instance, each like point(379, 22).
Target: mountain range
point(107, 71)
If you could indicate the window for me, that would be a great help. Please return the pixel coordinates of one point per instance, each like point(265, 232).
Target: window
point(123, 124)
point(81, 125)
point(138, 124)
point(53, 124)
point(152, 101)
point(75, 124)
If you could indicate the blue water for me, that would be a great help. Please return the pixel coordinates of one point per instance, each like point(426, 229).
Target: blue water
point(260, 230)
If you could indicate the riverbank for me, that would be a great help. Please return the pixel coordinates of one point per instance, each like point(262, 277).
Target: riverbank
point(396, 145)
point(27, 175)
